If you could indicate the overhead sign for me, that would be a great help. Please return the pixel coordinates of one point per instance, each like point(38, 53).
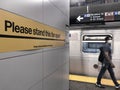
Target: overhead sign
point(109, 16)
point(20, 33)
point(95, 18)
point(91, 17)
point(117, 15)
point(79, 18)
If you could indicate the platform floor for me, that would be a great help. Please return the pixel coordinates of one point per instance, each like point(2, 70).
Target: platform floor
point(78, 82)
point(76, 85)
point(88, 79)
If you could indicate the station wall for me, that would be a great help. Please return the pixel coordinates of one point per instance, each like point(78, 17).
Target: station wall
point(44, 69)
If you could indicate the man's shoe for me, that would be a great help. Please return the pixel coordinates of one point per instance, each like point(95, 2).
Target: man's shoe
point(99, 85)
point(117, 86)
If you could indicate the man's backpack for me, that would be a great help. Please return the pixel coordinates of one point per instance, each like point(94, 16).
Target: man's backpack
point(101, 55)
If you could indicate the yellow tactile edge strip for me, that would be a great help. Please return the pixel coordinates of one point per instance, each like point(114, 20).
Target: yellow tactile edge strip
point(88, 79)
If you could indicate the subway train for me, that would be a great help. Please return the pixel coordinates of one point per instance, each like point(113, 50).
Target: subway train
point(84, 51)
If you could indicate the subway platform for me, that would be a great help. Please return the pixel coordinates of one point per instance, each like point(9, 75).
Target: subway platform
point(76, 85)
point(88, 83)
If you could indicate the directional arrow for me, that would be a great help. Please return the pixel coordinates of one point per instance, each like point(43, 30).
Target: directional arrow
point(79, 18)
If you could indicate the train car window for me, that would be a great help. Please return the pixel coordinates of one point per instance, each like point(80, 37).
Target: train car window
point(94, 37)
point(92, 43)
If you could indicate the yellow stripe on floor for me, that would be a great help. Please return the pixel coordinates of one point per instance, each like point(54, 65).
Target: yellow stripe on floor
point(90, 79)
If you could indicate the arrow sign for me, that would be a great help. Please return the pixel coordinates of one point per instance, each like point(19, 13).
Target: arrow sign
point(79, 18)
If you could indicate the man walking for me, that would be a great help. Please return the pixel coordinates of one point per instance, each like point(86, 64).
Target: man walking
point(107, 63)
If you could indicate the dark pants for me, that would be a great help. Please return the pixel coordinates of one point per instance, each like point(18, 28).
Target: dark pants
point(102, 71)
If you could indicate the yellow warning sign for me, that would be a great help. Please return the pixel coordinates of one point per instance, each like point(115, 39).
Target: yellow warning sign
point(20, 33)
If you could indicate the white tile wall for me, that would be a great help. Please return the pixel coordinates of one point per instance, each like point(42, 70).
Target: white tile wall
point(20, 73)
point(64, 10)
point(56, 81)
point(36, 86)
point(53, 16)
point(65, 82)
point(46, 69)
point(25, 8)
point(52, 61)
point(61, 3)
